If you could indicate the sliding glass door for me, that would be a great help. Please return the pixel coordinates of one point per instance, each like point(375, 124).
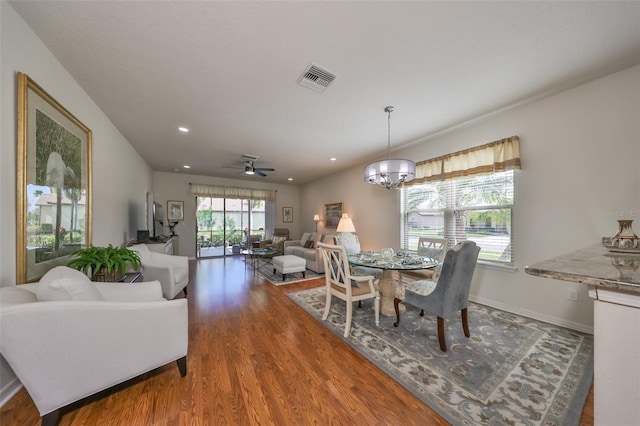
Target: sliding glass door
point(224, 226)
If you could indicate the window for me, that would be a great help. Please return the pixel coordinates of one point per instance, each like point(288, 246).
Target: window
point(477, 208)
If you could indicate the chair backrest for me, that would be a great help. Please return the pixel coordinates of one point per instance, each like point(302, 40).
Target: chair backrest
point(434, 248)
point(336, 266)
point(281, 232)
point(349, 241)
point(455, 277)
point(143, 251)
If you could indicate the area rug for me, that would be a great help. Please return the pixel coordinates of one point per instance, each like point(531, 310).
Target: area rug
point(265, 268)
point(512, 371)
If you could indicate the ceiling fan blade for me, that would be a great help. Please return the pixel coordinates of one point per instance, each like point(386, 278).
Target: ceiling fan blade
point(263, 169)
point(259, 173)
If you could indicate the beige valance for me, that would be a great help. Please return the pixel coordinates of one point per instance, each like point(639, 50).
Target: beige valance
point(496, 156)
point(213, 191)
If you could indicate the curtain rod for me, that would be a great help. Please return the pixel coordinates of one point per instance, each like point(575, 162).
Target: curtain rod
point(223, 185)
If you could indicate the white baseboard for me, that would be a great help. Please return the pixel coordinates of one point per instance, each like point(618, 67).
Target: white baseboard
point(534, 315)
point(9, 390)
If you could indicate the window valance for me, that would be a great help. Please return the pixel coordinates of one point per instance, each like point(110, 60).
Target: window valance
point(496, 156)
point(201, 190)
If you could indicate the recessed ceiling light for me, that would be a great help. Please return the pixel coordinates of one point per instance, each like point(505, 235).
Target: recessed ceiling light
point(290, 179)
point(186, 166)
point(183, 129)
point(332, 159)
point(175, 170)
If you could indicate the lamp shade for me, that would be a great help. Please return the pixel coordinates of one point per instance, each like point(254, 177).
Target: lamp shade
point(345, 224)
point(316, 218)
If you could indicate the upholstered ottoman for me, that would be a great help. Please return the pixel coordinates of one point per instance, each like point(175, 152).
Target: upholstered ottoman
point(289, 264)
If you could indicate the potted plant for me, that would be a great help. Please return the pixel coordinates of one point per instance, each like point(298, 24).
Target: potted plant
point(108, 264)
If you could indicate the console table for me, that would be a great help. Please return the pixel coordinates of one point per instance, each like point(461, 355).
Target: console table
point(614, 285)
point(168, 246)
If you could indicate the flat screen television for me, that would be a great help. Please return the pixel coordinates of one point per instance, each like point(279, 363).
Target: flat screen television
point(158, 220)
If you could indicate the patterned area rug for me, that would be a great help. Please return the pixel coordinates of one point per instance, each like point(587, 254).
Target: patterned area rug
point(265, 268)
point(512, 371)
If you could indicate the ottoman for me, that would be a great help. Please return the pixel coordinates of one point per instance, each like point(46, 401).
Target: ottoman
point(289, 264)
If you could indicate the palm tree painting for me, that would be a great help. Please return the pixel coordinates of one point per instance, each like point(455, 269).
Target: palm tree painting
point(59, 167)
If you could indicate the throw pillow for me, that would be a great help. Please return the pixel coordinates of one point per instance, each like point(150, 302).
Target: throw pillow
point(15, 295)
point(276, 240)
point(64, 283)
point(308, 244)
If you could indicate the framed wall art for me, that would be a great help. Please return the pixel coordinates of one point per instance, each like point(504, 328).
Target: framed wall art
point(53, 192)
point(175, 210)
point(332, 215)
point(287, 214)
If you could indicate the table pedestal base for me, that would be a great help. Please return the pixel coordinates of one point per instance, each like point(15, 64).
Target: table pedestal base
point(387, 294)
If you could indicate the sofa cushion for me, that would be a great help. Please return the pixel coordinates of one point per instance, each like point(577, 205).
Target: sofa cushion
point(64, 283)
point(15, 295)
point(305, 237)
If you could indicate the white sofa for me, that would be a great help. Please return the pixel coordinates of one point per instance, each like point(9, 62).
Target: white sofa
point(171, 271)
point(311, 255)
point(67, 337)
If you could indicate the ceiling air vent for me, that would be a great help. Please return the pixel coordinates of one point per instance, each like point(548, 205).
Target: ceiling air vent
point(316, 78)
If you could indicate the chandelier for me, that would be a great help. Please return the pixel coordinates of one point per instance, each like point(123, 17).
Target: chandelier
point(389, 174)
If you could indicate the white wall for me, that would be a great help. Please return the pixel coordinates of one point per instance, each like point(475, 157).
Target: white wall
point(175, 186)
point(120, 175)
point(580, 153)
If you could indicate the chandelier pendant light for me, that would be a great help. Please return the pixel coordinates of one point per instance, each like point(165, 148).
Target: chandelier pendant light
point(389, 174)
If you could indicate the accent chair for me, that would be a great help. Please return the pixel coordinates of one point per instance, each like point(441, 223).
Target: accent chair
point(172, 271)
point(449, 294)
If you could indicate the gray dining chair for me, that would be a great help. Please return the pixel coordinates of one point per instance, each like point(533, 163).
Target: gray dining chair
point(449, 294)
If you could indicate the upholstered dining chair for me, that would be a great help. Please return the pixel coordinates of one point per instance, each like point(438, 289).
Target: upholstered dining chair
point(434, 248)
point(449, 294)
point(341, 284)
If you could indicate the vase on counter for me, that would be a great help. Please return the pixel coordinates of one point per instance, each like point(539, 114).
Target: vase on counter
point(625, 238)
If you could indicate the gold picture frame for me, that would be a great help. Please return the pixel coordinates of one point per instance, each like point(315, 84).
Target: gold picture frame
point(332, 215)
point(53, 183)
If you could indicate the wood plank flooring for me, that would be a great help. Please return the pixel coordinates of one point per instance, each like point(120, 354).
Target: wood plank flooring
point(254, 358)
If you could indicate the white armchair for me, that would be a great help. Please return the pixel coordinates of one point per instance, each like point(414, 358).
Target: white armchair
point(171, 271)
point(67, 337)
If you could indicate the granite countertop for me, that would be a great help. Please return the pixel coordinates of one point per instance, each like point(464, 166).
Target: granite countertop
point(594, 265)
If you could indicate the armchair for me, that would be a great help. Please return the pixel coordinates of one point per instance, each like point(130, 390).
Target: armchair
point(171, 271)
point(280, 235)
point(450, 293)
point(341, 284)
point(67, 337)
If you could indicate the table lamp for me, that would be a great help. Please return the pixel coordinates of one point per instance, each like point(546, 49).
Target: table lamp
point(316, 219)
point(345, 224)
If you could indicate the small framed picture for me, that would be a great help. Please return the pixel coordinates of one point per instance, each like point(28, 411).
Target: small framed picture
point(287, 214)
point(175, 210)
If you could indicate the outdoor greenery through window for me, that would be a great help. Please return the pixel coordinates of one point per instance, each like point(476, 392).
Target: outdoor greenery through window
point(477, 208)
point(225, 223)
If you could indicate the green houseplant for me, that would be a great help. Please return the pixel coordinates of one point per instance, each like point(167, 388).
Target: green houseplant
point(107, 264)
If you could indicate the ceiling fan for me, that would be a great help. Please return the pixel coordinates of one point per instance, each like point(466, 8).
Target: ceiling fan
point(249, 168)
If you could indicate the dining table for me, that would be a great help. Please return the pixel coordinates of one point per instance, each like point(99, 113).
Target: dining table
point(388, 262)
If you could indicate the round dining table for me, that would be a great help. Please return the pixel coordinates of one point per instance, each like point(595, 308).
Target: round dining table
point(396, 262)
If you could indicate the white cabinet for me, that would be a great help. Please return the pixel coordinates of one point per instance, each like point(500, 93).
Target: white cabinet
point(167, 247)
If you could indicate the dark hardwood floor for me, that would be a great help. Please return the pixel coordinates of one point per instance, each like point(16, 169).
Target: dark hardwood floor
point(254, 357)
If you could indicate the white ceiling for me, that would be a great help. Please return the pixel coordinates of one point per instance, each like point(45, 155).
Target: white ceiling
point(229, 71)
